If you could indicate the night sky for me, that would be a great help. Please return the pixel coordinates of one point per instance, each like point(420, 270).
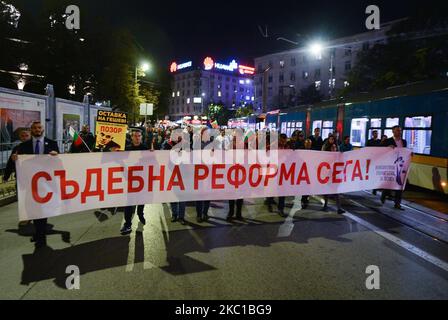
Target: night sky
point(189, 30)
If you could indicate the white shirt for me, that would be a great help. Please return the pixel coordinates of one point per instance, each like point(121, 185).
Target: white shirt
point(41, 144)
point(399, 143)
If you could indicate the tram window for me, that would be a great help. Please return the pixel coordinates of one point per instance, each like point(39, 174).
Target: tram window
point(317, 124)
point(327, 129)
point(390, 123)
point(358, 132)
point(288, 128)
point(418, 134)
point(375, 125)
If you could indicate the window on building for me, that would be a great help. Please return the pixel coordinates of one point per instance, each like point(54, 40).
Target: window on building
point(271, 64)
point(346, 84)
point(260, 68)
point(305, 75)
point(390, 123)
point(270, 78)
point(365, 46)
point(281, 78)
point(317, 73)
point(293, 62)
point(348, 65)
point(292, 76)
point(418, 132)
point(348, 51)
point(318, 85)
point(332, 83)
point(270, 92)
point(282, 64)
point(375, 125)
point(305, 59)
point(358, 132)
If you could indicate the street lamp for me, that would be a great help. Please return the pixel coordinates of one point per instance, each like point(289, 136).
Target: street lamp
point(144, 67)
point(317, 49)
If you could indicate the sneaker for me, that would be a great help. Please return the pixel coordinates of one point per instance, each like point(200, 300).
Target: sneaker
point(398, 207)
point(183, 222)
point(325, 208)
point(282, 214)
point(229, 218)
point(340, 211)
point(206, 217)
point(199, 220)
point(174, 219)
point(239, 218)
point(125, 230)
point(142, 220)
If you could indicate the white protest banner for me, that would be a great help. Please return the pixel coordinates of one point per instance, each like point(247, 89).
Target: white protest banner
point(50, 186)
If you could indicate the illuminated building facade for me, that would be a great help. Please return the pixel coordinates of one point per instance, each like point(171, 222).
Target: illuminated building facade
point(195, 87)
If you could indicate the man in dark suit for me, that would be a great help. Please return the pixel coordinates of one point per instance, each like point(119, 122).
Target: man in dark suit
point(395, 142)
point(38, 145)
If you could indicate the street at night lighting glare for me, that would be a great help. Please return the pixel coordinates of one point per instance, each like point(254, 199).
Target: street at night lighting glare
point(316, 48)
point(145, 66)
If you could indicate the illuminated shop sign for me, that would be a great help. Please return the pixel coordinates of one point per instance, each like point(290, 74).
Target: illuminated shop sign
point(230, 67)
point(246, 70)
point(176, 67)
point(209, 64)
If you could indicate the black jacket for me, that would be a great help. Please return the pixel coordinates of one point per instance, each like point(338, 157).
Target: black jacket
point(131, 147)
point(373, 143)
point(391, 142)
point(317, 143)
point(27, 147)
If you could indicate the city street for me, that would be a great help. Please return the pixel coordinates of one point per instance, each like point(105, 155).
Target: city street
point(310, 255)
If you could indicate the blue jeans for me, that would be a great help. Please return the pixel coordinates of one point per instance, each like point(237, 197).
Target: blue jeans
point(178, 209)
point(202, 208)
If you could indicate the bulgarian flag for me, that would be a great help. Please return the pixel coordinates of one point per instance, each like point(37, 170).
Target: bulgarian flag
point(77, 140)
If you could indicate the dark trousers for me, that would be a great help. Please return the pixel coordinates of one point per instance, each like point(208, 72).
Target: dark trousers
point(129, 212)
point(202, 208)
point(397, 199)
point(239, 207)
point(281, 202)
point(337, 199)
point(178, 209)
point(41, 231)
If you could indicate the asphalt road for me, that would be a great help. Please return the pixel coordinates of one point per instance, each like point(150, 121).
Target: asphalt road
point(310, 255)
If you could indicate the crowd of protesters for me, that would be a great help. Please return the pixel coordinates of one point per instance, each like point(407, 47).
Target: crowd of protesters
point(159, 138)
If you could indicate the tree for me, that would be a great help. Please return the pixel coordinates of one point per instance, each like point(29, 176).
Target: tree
point(219, 113)
point(245, 111)
point(416, 50)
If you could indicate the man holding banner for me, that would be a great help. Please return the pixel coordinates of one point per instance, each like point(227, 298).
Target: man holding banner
point(136, 145)
point(38, 145)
